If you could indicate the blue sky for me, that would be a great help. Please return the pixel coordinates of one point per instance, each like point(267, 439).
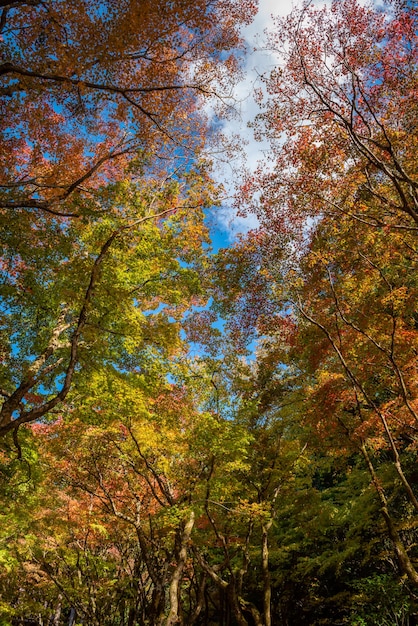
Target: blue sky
point(257, 63)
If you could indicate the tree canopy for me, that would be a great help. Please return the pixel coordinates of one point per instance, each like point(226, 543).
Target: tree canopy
point(196, 438)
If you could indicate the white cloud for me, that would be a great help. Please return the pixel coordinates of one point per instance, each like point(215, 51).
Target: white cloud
point(258, 62)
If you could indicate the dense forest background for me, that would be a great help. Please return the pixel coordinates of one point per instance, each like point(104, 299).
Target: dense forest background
point(197, 438)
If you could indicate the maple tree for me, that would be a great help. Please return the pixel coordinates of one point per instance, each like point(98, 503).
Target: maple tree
point(367, 353)
point(163, 462)
point(87, 85)
point(128, 492)
point(339, 114)
point(336, 354)
point(327, 282)
point(95, 94)
point(60, 300)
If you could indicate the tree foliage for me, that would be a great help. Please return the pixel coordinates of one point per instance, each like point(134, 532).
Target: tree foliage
point(197, 439)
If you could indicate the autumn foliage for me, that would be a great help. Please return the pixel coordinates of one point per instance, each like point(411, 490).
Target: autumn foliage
point(189, 438)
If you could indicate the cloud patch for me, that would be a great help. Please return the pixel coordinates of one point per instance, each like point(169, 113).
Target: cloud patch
point(236, 130)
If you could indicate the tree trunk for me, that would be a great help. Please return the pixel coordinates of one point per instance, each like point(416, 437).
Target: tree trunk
point(54, 620)
point(266, 574)
point(173, 616)
point(71, 619)
point(235, 604)
point(200, 600)
point(404, 561)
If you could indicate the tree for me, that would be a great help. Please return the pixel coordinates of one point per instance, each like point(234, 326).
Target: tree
point(63, 296)
point(87, 85)
point(364, 338)
point(234, 484)
point(335, 341)
point(122, 533)
point(326, 284)
point(330, 271)
point(96, 97)
point(339, 115)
